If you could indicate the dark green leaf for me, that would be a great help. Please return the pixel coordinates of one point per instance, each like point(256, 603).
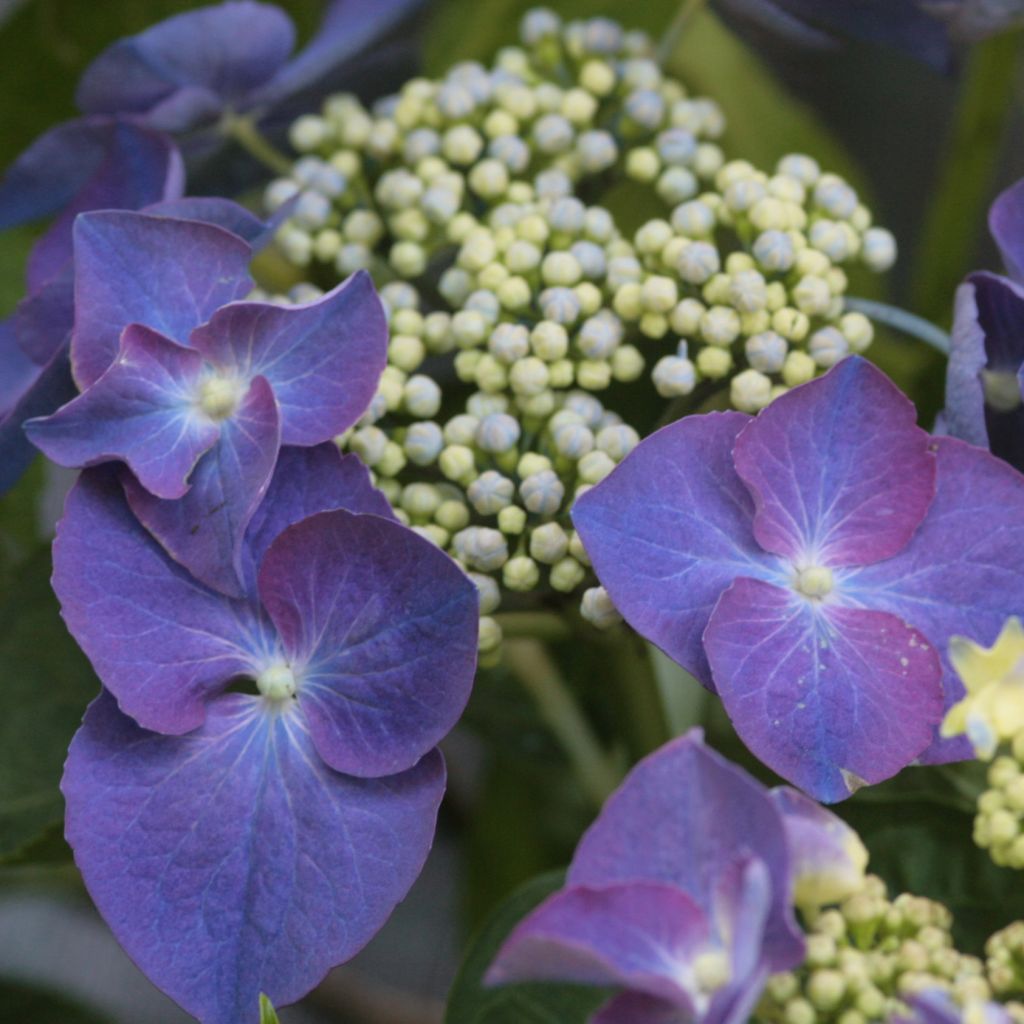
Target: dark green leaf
point(47, 684)
point(471, 1003)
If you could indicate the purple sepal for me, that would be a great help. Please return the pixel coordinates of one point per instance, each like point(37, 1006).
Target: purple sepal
point(323, 360)
point(141, 411)
point(670, 529)
point(681, 817)
point(161, 642)
point(232, 861)
point(962, 573)
point(378, 690)
point(828, 696)
point(223, 213)
point(864, 499)
point(171, 275)
point(1006, 223)
point(203, 530)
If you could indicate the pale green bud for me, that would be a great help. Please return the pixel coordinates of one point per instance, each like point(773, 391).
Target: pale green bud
point(748, 291)
point(698, 262)
point(512, 520)
point(309, 132)
point(561, 269)
point(831, 239)
point(529, 376)
point(593, 375)
point(481, 547)
point(369, 444)
point(520, 573)
point(594, 467)
point(627, 363)
point(549, 543)
point(532, 462)
point(549, 341)
point(490, 375)
point(858, 331)
point(714, 362)
point(422, 396)
point(458, 463)
point(423, 443)
point(522, 257)
point(653, 236)
point(798, 368)
point(812, 295)
point(420, 500)
point(750, 391)
point(462, 145)
point(791, 324)
point(597, 608)
point(643, 164)
point(878, 249)
point(566, 575)
point(490, 636)
point(720, 325)
point(766, 351)
point(489, 179)
point(392, 462)
point(452, 515)
point(514, 293)
point(659, 294)
point(827, 347)
point(406, 352)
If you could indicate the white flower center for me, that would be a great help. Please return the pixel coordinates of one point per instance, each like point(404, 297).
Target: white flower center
point(219, 396)
point(277, 682)
point(815, 581)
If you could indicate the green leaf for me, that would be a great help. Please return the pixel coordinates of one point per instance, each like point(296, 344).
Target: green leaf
point(29, 1005)
point(267, 1013)
point(534, 1003)
point(47, 684)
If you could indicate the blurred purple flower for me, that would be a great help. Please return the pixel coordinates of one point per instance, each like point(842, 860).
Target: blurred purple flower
point(930, 30)
point(985, 374)
point(195, 391)
point(680, 894)
point(810, 565)
point(273, 839)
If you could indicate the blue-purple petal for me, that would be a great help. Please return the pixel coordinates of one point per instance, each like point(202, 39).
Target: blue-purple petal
point(222, 213)
point(963, 571)
point(323, 359)
point(670, 529)
point(160, 641)
point(141, 412)
point(203, 530)
point(171, 275)
point(1006, 222)
point(380, 627)
point(232, 861)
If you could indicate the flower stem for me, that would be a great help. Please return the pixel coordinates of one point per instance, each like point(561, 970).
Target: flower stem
point(902, 321)
point(534, 667)
point(688, 9)
point(244, 131)
point(538, 625)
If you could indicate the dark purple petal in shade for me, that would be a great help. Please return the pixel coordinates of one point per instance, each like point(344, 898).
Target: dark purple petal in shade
point(670, 529)
point(183, 70)
point(641, 936)
point(17, 371)
point(983, 392)
point(378, 628)
point(222, 213)
point(839, 471)
point(45, 392)
point(827, 696)
point(323, 359)
point(171, 275)
point(160, 641)
point(635, 1008)
point(232, 861)
point(348, 27)
point(204, 529)
point(1006, 222)
point(142, 411)
point(307, 481)
point(828, 857)
point(963, 571)
point(683, 816)
point(42, 321)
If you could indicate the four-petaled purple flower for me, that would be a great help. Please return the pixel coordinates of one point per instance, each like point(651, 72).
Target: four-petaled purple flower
point(810, 565)
point(985, 374)
point(196, 392)
point(271, 840)
point(680, 893)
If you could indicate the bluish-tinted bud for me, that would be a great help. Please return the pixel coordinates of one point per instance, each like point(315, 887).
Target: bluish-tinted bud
point(474, 77)
point(422, 396)
point(774, 250)
point(597, 151)
point(673, 376)
point(766, 351)
point(598, 224)
point(591, 259)
point(835, 197)
point(481, 547)
point(538, 24)
point(490, 492)
point(461, 429)
point(481, 404)
point(490, 594)
point(698, 262)
point(624, 270)
point(440, 204)
point(602, 36)
point(552, 184)
point(677, 184)
point(646, 107)
point(399, 295)
point(600, 335)
point(278, 193)
point(311, 210)
point(827, 347)
point(597, 608)
point(421, 143)
point(485, 303)
point(509, 342)
point(567, 215)
point(454, 101)
point(512, 151)
point(676, 146)
point(542, 493)
point(587, 407)
point(694, 218)
point(423, 443)
point(560, 304)
point(617, 440)
point(553, 134)
point(498, 432)
point(573, 440)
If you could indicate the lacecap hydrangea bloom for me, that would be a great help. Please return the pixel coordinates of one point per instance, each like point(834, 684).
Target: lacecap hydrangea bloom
point(241, 840)
point(518, 302)
point(681, 892)
point(810, 565)
point(985, 374)
point(194, 391)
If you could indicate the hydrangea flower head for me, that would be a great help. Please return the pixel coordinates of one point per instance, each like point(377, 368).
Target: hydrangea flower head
point(985, 374)
point(993, 708)
point(810, 565)
point(238, 842)
point(196, 392)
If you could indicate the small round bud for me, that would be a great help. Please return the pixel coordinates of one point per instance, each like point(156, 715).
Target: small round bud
point(490, 492)
point(490, 635)
point(520, 573)
point(392, 462)
point(458, 463)
point(766, 351)
point(452, 515)
point(858, 331)
point(878, 249)
point(659, 294)
point(481, 547)
point(421, 396)
point(550, 342)
point(512, 520)
point(617, 440)
point(597, 608)
point(714, 362)
point(698, 262)
point(750, 391)
point(643, 164)
point(593, 374)
point(720, 326)
point(798, 368)
point(566, 575)
point(812, 295)
point(594, 467)
point(498, 432)
point(674, 376)
point(573, 440)
point(835, 197)
point(542, 493)
point(827, 347)
point(423, 443)
point(549, 543)
point(420, 500)
point(627, 363)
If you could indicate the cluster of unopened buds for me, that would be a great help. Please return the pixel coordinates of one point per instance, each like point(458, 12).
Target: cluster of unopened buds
point(867, 956)
point(515, 300)
point(1004, 963)
point(999, 824)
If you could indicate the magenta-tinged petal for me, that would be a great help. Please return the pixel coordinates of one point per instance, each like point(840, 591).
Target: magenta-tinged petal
point(642, 936)
point(141, 411)
point(683, 815)
point(323, 359)
point(963, 572)
point(167, 274)
point(636, 1008)
point(381, 629)
point(160, 641)
point(1006, 222)
point(669, 530)
point(203, 530)
point(828, 856)
point(840, 472)
point(224, 50)
point(307, 481)
point(232, 861)
point(827, 696)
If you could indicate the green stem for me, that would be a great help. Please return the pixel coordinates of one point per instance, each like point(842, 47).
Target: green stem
point(539, 625)
point(530, 662)
point(677, 29)
point(643, 710)
point(957, 213)
point(244, 131)
point(902, 321)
